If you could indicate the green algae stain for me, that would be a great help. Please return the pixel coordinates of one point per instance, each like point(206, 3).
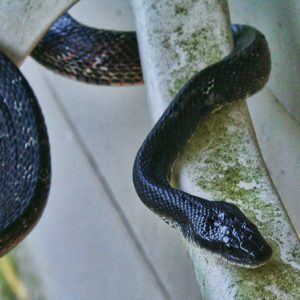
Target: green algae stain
point(179, 30)
point(188, 49)
point(200, 45)
point(166, 43)
point(181, 10)
point(225, 165)
point(276, 280)
point(193, 48)
point(178, 84)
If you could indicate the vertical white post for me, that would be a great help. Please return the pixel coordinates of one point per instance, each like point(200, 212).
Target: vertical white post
point(222, 160)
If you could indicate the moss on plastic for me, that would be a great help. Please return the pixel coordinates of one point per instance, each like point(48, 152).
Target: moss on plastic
point(180, 9)
point(225, 165)
point(199, 45)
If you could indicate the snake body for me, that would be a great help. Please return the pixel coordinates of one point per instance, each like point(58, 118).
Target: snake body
point(24, 157)
point(110, 57)
point(90, 55)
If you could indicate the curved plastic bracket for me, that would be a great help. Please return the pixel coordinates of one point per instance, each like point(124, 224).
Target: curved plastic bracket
point(23, 23)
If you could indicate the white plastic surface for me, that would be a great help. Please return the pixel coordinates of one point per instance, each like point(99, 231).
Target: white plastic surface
point(23, 23)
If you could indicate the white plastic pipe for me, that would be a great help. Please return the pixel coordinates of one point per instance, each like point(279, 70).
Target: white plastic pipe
point(222, 160)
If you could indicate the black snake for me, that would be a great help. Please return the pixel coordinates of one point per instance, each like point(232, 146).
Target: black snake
point(24, 157)
point(111, 57)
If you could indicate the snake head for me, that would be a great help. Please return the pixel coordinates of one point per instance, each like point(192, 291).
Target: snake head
point(227, 232)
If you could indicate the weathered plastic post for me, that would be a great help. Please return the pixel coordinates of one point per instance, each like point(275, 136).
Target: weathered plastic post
point(222, 160)
point(23, 23)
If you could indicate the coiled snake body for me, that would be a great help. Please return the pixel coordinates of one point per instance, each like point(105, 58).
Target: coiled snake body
point(106, 57)
point(24, 157)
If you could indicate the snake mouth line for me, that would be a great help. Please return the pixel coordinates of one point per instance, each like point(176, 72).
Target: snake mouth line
point(246, 265)
point(237, 263)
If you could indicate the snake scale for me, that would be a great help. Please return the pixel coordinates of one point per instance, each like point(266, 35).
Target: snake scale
point(111, 57)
